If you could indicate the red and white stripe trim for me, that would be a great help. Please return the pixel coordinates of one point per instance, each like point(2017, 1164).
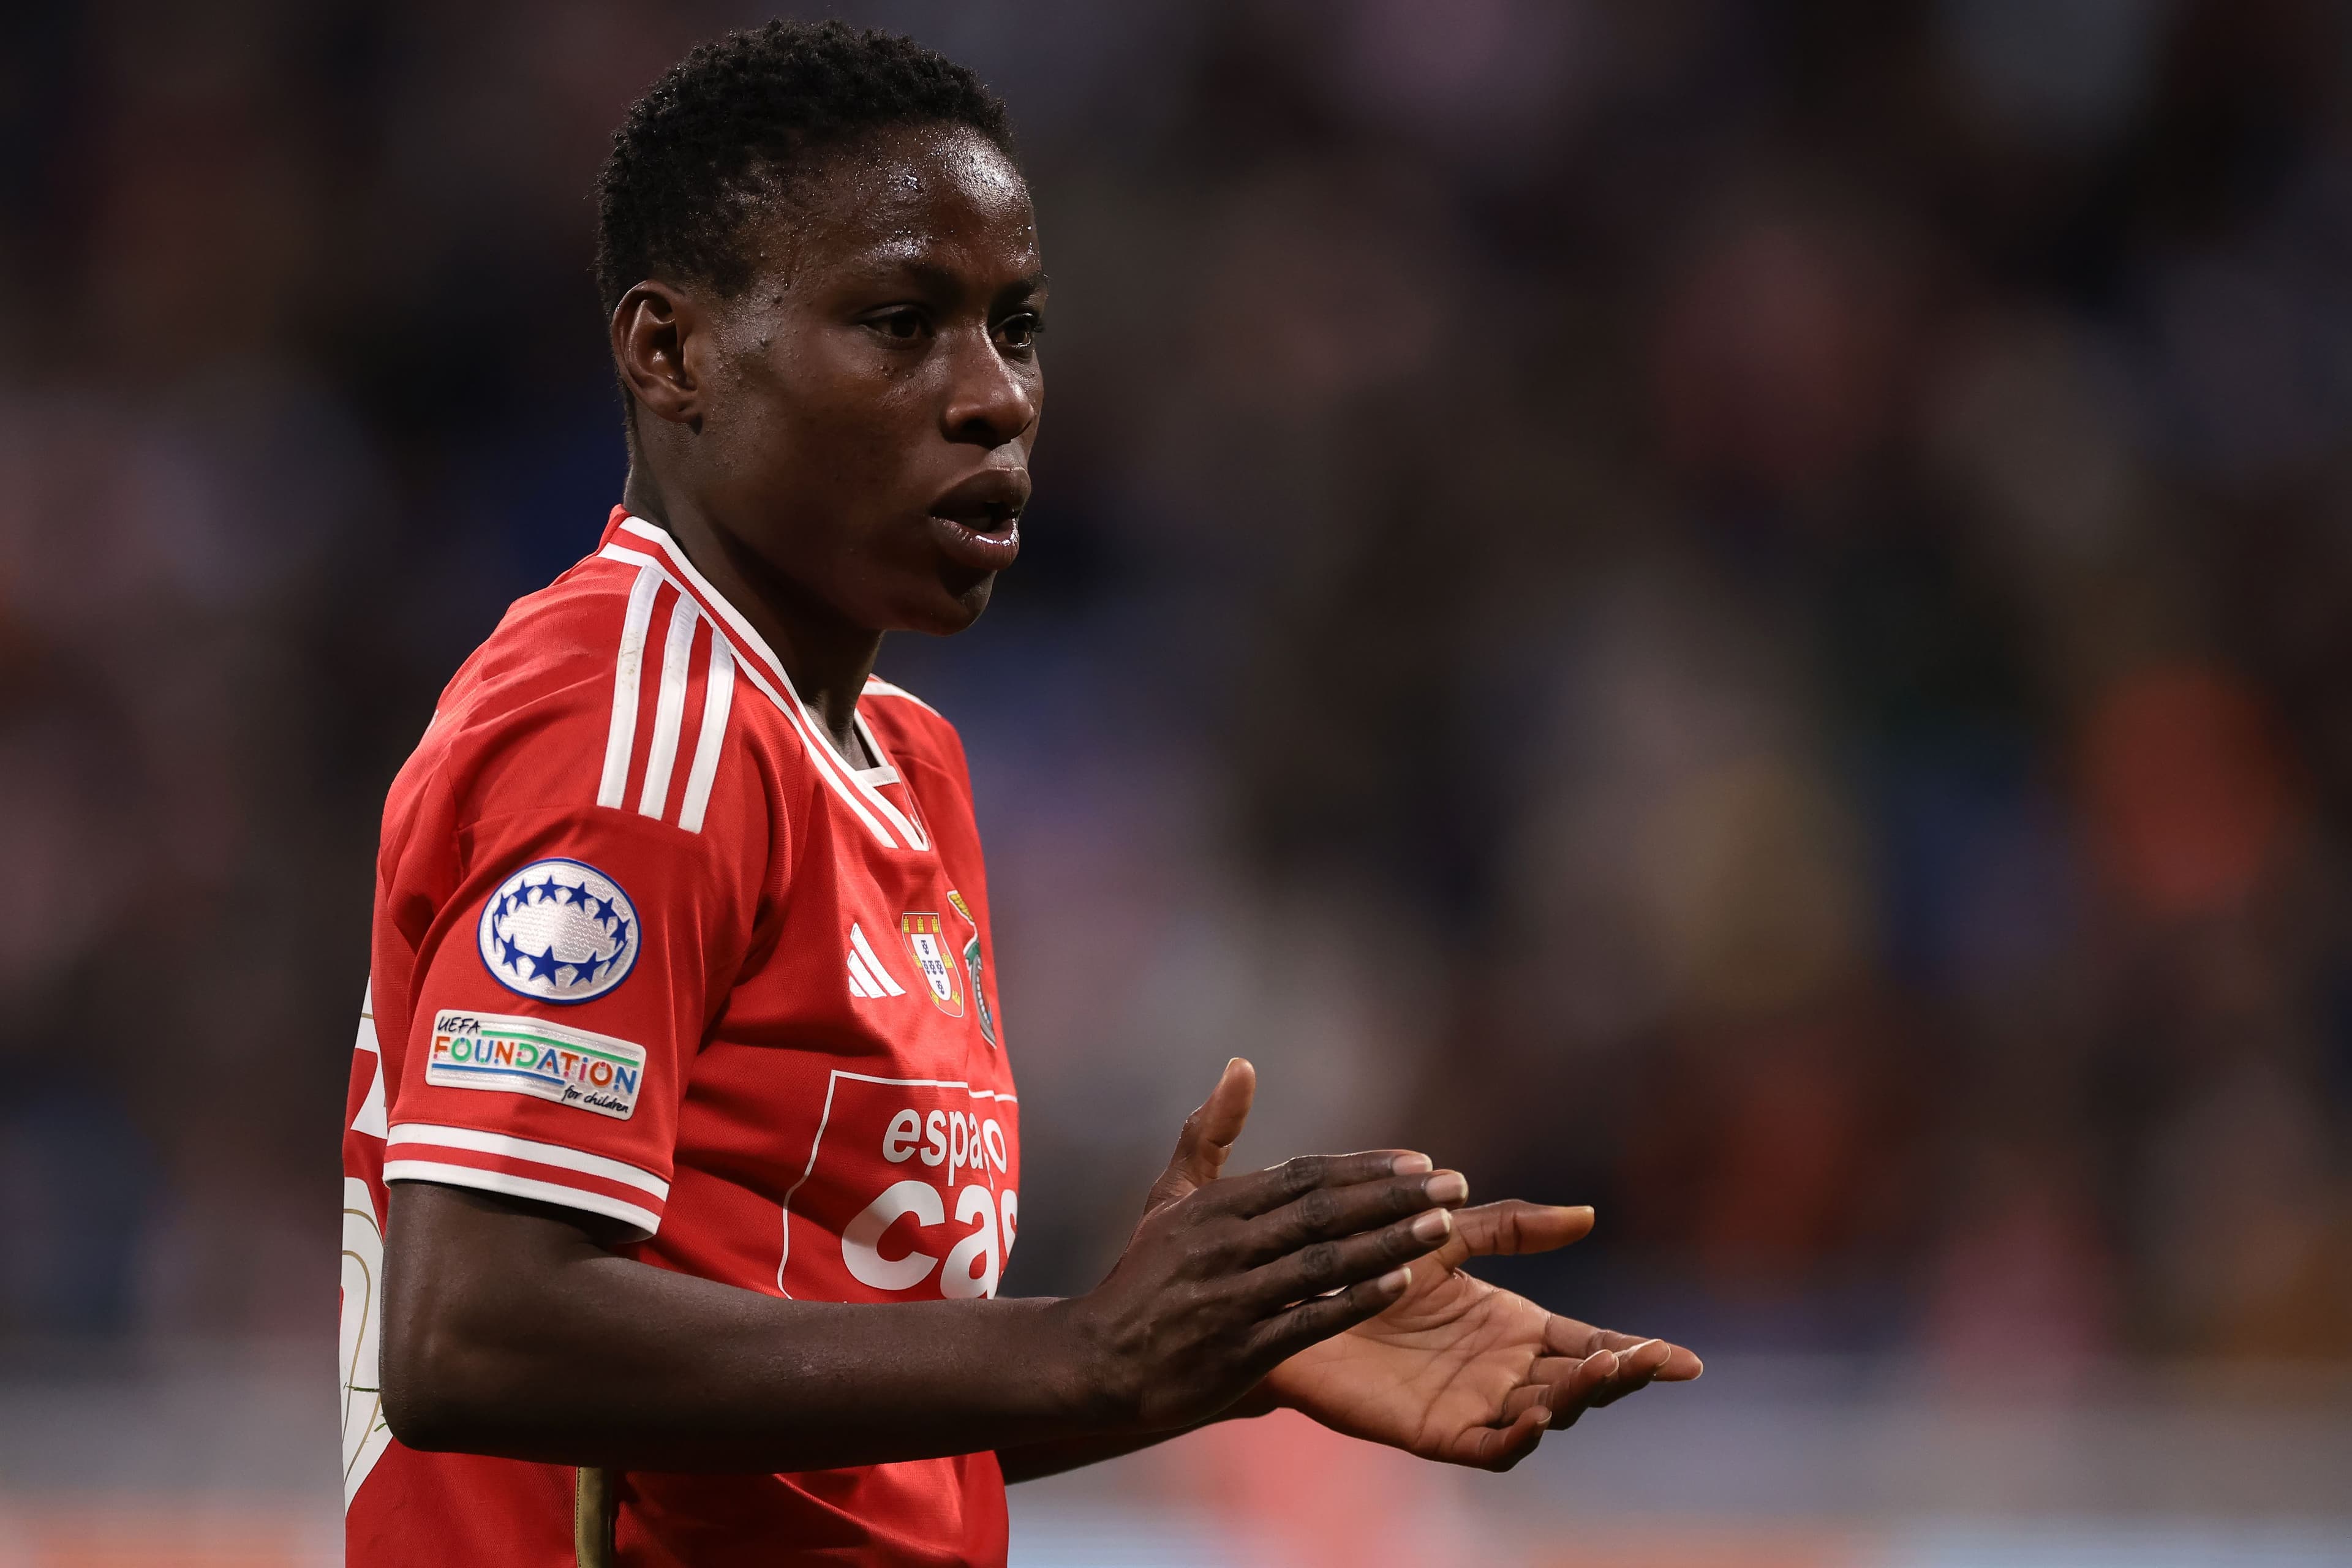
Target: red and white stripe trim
point(693, 658)
point(526, 1168)
point(653, 551)
point(877, 686)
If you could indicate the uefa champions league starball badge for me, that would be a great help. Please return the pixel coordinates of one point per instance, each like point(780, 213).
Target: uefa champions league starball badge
point(559, 930)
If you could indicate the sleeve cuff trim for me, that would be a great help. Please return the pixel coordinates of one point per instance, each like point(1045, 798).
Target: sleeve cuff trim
point(644, 1221)
point(531, 1150)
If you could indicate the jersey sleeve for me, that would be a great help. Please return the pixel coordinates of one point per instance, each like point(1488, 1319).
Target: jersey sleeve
point(568, 979)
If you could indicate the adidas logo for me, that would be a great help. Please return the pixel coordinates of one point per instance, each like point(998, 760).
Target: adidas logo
point(867, 978)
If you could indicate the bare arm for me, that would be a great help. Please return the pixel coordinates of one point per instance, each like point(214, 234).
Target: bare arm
point(510, 1330)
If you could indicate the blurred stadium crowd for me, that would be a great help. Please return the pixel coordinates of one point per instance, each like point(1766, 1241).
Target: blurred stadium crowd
point(1741, 612)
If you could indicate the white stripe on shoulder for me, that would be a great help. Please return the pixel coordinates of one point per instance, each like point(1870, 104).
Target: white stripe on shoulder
point(870, 806)
point(717, 702)
point(877, 686)
point(828, 763)
point(669, 710)
point(627, 671)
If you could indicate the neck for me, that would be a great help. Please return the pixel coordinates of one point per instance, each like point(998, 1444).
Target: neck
point(827, 659)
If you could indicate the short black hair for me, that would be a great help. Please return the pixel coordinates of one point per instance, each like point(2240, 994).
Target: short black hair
point(730, 126)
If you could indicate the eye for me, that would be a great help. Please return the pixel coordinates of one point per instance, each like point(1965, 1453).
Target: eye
point(1020, 331)
point(903, 324)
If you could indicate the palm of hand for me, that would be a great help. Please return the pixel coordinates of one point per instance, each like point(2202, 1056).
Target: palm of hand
point(1460, 1370)
point(1442, 1361)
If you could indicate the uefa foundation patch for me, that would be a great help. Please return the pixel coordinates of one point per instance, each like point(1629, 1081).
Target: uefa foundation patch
point(530, 1056)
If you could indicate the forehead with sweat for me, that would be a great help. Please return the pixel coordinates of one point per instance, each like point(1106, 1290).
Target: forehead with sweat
point(925, 196)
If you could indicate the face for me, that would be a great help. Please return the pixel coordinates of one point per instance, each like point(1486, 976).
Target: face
point(856, 426)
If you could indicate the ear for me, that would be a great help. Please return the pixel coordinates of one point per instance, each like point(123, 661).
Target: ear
point(657, 342)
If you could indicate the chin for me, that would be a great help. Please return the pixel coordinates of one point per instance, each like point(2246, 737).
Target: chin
point(952, 605)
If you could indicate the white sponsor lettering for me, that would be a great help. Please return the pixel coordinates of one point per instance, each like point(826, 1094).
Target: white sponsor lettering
point(974, 1263)
point(933, 1217)
point(954, 1139)
point(860, 1243)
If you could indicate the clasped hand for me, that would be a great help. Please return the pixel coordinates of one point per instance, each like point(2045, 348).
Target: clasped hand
point(1334, 1285)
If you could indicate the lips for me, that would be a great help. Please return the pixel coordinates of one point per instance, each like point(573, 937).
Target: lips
point(977, 522)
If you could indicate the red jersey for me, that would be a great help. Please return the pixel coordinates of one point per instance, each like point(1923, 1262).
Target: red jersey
point(646, 947)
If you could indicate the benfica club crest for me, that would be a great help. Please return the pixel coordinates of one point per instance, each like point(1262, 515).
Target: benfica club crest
point(927, 939)
point(972, 963)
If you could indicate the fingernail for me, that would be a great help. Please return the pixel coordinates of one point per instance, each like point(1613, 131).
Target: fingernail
point(1433, 1226)
point(1412, 1164)
point(1607, 1362)
point(1451, 1187)
point(1394, 1282)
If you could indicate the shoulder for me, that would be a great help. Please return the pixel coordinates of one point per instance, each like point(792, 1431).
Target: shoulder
point(609, 688)
point(909, 726)
point(557, 640)
point(877, 686)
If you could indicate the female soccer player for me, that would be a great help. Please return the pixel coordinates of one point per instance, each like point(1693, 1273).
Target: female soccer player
point(684, 1154)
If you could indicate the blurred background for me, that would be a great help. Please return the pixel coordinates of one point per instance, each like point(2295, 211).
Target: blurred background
point(1740, 612)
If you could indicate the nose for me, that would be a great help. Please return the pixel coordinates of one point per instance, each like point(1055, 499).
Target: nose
point(991, 400)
